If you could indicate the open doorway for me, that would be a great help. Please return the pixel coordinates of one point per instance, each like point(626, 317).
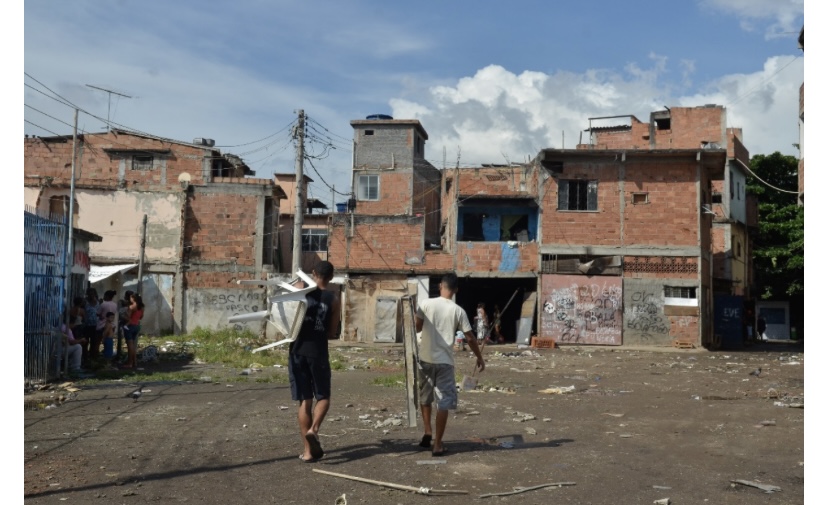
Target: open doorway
point(496, 292)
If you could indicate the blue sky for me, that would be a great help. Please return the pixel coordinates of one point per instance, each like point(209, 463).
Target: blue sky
point(490, 80)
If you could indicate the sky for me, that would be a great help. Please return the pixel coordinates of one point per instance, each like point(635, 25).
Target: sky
point(491, 82)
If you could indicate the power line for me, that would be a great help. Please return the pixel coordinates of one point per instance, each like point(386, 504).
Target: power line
point(45, 129)
point(264, 138)
point(47, 115)
point(765, 182)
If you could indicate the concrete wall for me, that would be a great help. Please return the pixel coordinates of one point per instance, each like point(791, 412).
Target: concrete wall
point(117, 216)
point(391, 146)
point(211, 308)
point(648, 322)
point(580, 309)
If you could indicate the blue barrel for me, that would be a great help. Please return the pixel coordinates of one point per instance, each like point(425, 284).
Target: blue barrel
point(341, 207)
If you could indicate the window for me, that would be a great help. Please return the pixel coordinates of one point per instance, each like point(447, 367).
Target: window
point(639, 198)
point(577, 195)
point(738, 250)
point(717, 198)
point(369, 132)
point(662, 123)
point(680, 295)
point(368, 187)
point(679, 292)
point(59, 209)
point(142, 162)
point(314, 240)
point(731, 185)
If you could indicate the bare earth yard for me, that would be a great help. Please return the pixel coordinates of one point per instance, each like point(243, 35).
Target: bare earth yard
point(625, 426)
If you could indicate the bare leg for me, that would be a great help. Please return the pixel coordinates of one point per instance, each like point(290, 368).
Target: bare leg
point(442, 420)
point(425, 410)
point(319, 412)
point(305, 422)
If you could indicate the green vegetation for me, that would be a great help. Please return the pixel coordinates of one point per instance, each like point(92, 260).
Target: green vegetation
point(389, 381)
point(779, 247)
point(226, 347)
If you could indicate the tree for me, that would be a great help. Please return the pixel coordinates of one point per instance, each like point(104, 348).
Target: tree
point(779, 246)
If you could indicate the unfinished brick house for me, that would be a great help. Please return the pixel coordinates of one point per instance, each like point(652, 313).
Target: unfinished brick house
point(606, 247)
point(579, 237)
point(208, 224)
point(314, 226)
point(736, 211)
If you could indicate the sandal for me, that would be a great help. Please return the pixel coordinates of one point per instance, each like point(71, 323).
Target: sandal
point(425, 442)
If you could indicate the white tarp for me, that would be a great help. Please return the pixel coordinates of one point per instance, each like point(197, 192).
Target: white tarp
point(98, 273)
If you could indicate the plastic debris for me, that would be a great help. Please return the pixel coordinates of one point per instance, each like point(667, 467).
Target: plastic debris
point(557, 390)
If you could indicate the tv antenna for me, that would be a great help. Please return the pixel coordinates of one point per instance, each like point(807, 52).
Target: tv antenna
point(109, 104)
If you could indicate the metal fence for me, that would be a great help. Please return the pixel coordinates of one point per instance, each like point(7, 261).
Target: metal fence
point(44, 259)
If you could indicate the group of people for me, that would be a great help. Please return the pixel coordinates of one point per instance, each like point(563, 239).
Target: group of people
point(437, 320)
point(95, 322)
point(485, 332)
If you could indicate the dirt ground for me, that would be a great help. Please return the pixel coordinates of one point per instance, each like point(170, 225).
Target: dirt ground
point(638, 425)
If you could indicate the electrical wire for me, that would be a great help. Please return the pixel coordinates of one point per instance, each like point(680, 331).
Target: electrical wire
point(765, 182)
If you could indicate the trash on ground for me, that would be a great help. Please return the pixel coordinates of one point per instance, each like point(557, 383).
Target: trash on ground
point(664, 488)
point(340, 500)
point(413, 489)
point(768, 488)
point(531, 431)
point(431, 462)
point(613, 415)
point(519, 489)
point(557, 390)
point(768, 423)
point(663, 501)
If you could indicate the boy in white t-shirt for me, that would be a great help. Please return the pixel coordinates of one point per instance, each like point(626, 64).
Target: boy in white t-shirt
point(437, 321)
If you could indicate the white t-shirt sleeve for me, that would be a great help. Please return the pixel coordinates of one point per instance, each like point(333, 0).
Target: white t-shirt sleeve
point(464, 321)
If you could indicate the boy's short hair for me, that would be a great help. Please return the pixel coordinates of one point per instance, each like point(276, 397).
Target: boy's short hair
point(324, 269)
point(450, 281)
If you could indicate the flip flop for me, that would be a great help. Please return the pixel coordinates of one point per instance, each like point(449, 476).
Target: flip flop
point(426, 441)
point(303, 460)
point(435, 454)
point(315, 446)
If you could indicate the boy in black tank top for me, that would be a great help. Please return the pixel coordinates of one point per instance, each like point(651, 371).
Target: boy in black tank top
point(308, 366)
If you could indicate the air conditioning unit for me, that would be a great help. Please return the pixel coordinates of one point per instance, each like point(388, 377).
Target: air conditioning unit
point(204, 142)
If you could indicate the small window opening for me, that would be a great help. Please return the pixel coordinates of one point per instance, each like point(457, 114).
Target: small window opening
point(369, 132)
point(640, 198)
point(662, 124)
point(142, 162)
point(717, 198)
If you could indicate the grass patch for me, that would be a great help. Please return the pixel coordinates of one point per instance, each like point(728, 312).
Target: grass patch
point(226, 346)
point(389, 381)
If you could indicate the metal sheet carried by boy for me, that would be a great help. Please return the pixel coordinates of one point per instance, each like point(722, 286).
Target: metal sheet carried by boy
point(286, 309)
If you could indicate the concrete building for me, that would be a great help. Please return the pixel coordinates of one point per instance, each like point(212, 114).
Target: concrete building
point(602, 246)
point(208, 222)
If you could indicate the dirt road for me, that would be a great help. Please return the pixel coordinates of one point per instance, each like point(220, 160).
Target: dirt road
point(626, 426)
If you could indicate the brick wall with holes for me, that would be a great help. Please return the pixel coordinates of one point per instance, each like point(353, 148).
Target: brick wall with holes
point(661, 267)
point(221, 226)
point(496, 257)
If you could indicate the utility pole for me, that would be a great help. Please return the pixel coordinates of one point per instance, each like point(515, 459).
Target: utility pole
point(299, 215)
point(141, 258)
point(69, 253)
point(109, 103)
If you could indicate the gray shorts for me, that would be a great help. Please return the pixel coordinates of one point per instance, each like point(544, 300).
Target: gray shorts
point(437, 380)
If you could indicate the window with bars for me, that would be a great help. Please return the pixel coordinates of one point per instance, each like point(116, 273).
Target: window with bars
point(679, 292)
point(577, 195)
point(314, 240)
point(140, 162)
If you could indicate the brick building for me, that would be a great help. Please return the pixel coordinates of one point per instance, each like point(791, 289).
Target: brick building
point(736, 211)
point(801, 172)
point(600, 246)
point(208, 223)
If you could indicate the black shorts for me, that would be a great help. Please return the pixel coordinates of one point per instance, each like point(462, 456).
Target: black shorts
point(309, 377)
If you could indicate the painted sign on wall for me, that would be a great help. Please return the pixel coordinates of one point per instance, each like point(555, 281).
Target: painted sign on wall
point(579, 309)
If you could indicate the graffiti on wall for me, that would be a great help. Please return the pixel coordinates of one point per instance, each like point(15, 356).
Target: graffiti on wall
point(212, 308)
point(644, 319)
point(582, 310)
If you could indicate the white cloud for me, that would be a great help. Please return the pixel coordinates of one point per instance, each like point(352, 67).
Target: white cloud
point(785, 15)
point(498, 113)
